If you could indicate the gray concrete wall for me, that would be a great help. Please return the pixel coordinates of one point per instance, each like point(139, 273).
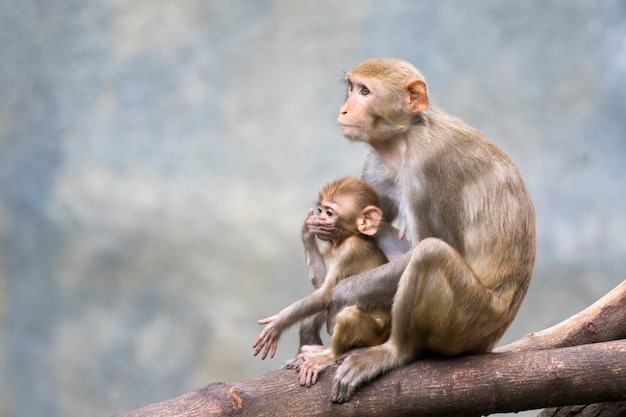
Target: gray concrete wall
point(157, 160)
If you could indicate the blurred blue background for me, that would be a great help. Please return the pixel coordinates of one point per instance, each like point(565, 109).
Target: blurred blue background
point(157, 160)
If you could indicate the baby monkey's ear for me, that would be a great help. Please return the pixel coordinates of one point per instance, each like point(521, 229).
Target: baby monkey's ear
point(368, 220)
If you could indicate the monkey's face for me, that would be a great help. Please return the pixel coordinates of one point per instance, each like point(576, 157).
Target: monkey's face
point(357, 116)
point(333, 215)
point(378, 107)
point(374, 112)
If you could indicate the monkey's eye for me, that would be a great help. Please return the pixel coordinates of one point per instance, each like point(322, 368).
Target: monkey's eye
point(318, 211)
point(364, 91)
point(329, 213)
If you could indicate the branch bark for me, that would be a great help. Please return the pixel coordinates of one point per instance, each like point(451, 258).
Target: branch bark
point(518, 377)
point(471, 385)
point(600, 322)
point(613, 409)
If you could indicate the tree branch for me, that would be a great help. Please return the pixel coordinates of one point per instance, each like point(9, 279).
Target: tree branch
point(518, 377)
point(600, 322)
point(482, 384)
point(613, 409)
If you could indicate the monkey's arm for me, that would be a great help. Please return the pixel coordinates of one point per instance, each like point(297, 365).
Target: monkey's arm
point(276, 324)
point(314, 261)
point(371, 289)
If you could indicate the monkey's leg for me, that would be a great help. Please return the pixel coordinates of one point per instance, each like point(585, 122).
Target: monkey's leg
point(439, 304)
point(310, 329)
point(309, 335)
point(356, 328)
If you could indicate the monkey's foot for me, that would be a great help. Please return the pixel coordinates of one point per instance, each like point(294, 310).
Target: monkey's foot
point(306, 352)
point(310, 351)
point(357, 368)
point(312, 367)
point(292, 364)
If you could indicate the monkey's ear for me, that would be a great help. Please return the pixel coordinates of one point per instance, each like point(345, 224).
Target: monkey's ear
point(369, 219)
point(416, 96)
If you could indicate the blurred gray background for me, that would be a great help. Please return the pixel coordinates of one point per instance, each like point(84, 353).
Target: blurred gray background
point(157, 160)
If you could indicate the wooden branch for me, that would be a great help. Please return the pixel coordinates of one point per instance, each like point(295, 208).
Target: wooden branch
point(612, 409)
point(602, 321)
point(520, 376)
point(480, 384)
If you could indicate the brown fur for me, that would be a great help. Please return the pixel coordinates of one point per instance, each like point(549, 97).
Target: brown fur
point(353, 204)
point(467, 215)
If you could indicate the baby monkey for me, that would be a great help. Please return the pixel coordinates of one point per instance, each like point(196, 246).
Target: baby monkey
point(349, 208)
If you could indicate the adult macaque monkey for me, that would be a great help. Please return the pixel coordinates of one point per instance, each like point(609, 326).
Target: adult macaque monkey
point(462, 205)
point(349, 209)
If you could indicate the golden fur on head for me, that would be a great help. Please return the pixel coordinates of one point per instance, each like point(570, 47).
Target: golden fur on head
point(363, 194)
point(396, 71)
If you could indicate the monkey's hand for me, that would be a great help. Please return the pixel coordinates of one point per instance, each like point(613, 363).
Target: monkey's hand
point(316, 226)
point(268, 338)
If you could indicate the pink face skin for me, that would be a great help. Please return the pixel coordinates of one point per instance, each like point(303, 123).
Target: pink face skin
point(359, 119)
point(356, 120)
